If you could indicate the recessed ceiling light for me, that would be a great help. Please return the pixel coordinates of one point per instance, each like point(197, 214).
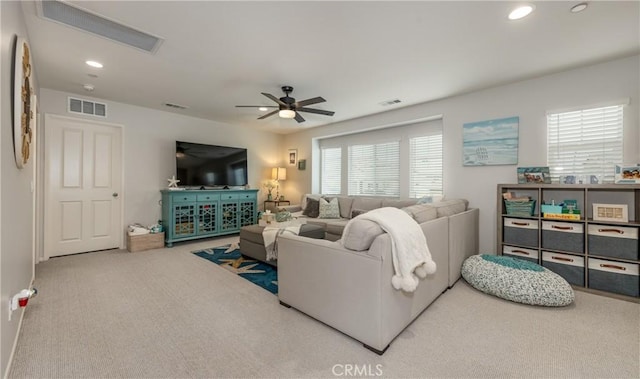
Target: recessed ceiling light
point(94, 64)
point(520, 12)
point(263, 109)
point(579, 7)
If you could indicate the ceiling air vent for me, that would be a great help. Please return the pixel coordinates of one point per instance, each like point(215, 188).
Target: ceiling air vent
point(78, 18)
point(87, 107)
point(175, 106)
point(390, 102)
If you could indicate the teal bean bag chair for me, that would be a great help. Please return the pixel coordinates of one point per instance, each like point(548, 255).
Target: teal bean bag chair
point(517, 280)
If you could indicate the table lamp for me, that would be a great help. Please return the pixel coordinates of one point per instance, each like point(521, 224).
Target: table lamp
point(277, 174)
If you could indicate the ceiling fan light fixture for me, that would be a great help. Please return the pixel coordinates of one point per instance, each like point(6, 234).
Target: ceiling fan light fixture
point(263, 109)
point(287, 113)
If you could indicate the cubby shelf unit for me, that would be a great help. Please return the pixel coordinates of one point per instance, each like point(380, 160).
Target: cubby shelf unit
point(594, 255)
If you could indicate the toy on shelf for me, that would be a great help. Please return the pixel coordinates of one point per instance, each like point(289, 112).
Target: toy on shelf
point(567, 210)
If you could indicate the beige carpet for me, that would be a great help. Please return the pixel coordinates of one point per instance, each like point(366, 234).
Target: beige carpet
point(167, 313)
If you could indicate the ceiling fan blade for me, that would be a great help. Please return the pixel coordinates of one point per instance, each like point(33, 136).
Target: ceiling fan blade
point(270, 96)
point(315, 100)
point(318, 111)
point(299, 118)
point(256, 106)
point(268, 114)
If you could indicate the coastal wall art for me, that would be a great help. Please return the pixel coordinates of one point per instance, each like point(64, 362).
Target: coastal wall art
point(492, 142)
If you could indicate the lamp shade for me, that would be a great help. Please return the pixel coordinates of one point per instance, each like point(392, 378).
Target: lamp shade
point(287, 113)
point(279, 173)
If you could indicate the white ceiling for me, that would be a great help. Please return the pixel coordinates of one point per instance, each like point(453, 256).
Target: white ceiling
point(216, 55)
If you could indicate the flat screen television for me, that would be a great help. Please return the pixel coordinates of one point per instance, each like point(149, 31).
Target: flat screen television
point(199, 165)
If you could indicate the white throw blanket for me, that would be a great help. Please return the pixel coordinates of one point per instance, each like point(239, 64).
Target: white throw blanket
point(270, 235)
point(409, 250)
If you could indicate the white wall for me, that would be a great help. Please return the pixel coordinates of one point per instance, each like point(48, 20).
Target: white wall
point(16, 209)
point(529, 99)
point(149, 149)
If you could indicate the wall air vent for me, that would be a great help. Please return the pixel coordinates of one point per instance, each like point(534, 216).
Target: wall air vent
point(175, 106)
point(390, 102)
point(87, 107)
point(78, 18)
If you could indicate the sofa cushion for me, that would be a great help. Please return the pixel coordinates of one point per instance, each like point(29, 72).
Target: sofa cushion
point(345, 206)
point(422, 212)
point(366, 203)
point(312, 209)
point(329, 209)
point(398, 203)
point(336, 226)
point(319, 221)
point(361, 234)
point(450, 207)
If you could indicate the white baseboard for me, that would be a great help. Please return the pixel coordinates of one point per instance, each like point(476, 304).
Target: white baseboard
point(15, 340)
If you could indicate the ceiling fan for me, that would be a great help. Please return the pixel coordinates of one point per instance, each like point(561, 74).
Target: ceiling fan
point(288, 107)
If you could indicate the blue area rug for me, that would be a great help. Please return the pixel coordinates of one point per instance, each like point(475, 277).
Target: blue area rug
point(259, 273)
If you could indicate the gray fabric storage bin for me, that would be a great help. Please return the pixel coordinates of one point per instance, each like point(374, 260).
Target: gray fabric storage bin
point(570, 267)
point(521, 232)
point(616, 277)
point(521, 253)
point(564, 236)
point(613, 241)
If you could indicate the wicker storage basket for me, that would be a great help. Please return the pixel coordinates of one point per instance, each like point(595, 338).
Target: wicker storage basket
point(520, 208)
point(145, 242)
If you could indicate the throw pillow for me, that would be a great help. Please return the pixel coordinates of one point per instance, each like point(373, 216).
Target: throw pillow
point(430, 199)
point(312, 209)
point(329, 209)
point(283, 216)
point(357, 212)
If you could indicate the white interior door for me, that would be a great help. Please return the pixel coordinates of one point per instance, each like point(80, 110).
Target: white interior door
point(83, 186)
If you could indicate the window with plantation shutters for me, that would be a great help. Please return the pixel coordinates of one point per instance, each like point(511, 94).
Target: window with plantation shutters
point(425, 165)
point(374, 169)
point(331, 170)
point(585, 142)
point(402, 161)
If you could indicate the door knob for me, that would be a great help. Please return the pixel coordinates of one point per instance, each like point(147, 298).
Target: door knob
point(115, 194)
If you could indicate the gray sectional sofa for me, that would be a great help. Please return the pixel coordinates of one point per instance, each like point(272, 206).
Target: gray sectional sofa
point(350, 206)
point(347, 284)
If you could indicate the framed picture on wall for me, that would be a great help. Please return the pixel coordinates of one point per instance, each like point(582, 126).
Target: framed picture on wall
point(293, 157)
point(491, 142)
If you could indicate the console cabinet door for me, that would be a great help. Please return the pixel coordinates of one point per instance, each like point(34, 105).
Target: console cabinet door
point(229, 216)
point(184, 217)
point(248, 212)
point(207, 220)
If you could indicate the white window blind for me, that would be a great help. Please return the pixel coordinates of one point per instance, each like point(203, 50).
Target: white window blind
point(425, 165)
point(374, 169)
point(331, 171)
point(585, 142)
